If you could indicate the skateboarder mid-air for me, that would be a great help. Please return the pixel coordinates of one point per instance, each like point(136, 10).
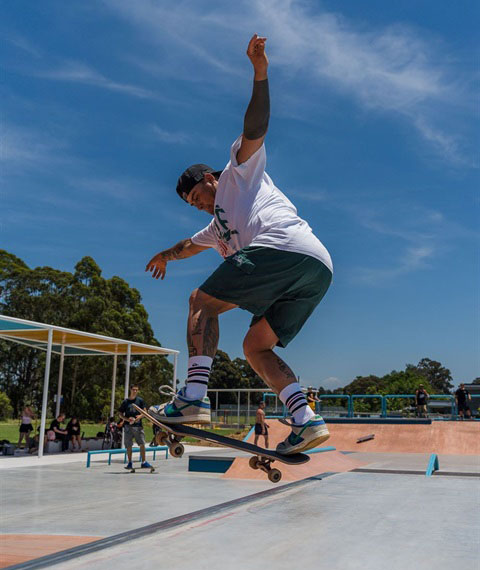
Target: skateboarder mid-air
point(274, 267)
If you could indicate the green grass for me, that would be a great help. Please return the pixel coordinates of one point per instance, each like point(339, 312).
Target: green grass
point(9, 430)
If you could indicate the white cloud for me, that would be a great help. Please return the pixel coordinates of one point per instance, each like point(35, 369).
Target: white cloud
point(77, 72)
point(118, 189)
point(170, 137)
point(331, 383)
point(313, 196)
point(27, 148)
point(420, 235)
point(392, 69)
point(22, 43)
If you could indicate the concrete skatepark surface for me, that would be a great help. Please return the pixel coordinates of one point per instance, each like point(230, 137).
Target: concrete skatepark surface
point(346, 520)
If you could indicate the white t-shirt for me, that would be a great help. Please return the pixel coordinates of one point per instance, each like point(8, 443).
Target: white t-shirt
point(251, 211)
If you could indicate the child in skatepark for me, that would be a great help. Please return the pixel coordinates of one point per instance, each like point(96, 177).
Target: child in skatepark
point(274, 267)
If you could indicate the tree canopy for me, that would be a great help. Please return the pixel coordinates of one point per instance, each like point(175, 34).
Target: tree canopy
point(85, 301)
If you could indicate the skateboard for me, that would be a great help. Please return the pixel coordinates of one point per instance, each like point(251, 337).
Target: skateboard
point(172, 434)
point(132, 470)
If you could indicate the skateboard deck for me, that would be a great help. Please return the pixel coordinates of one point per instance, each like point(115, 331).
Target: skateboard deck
point(261, 457)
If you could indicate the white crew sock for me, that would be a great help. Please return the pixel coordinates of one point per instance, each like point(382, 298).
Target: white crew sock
point(198, 373)
point(296, 402)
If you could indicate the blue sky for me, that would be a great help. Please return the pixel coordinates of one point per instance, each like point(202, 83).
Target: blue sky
point(373, 135)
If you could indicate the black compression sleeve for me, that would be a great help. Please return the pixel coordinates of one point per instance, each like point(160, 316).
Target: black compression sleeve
point(255, 124)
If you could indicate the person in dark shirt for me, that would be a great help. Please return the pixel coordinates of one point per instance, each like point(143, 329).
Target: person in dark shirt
point(421, 399)
point(60, 433)
point(74, 433)
point(461, 397)
point(133, 427)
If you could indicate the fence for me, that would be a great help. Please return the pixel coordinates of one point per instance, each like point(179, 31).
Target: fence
point(237, 407)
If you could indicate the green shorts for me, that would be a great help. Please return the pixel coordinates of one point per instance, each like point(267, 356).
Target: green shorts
point(282, 286)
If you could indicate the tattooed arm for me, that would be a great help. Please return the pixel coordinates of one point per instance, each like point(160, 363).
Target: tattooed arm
point(255, 124)
point(183, 249)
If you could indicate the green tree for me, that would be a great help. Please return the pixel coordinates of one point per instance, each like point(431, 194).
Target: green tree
point(225, 375)
point(6, 409)
point(84, 301)
point(439, 377)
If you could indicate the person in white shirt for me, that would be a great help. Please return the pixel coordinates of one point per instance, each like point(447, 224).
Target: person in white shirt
point(274, 267)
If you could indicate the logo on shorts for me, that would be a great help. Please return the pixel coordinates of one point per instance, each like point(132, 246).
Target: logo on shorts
point(239, 259)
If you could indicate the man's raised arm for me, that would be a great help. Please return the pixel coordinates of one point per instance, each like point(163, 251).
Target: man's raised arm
point(255, 124)
point(183, 249)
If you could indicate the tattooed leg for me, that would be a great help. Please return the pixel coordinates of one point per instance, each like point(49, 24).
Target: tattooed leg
point(202, 326)
point(258, 349)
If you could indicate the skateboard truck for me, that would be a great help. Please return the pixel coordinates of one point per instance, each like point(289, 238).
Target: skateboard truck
point(175, 447)
point(263, 463)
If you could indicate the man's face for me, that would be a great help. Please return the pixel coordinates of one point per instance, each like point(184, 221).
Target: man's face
point(202, 195)
point(133, 392)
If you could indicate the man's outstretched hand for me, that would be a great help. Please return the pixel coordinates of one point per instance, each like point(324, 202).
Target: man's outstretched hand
point(258, 57)
point(157, 265)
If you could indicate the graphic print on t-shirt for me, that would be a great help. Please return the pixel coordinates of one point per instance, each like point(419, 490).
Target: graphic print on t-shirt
point(223, 237)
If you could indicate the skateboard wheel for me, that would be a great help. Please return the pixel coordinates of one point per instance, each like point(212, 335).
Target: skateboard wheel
point(177, 450)
point(253, 462)
point(274, 475)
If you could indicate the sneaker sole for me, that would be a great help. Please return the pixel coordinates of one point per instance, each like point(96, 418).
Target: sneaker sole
point(315, 442)
point(310, 445)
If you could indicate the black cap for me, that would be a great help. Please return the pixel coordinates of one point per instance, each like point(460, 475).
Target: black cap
point(192, 176)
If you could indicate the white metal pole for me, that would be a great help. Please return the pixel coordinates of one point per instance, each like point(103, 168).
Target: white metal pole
point(238, 410)
point(175, 363)
point(60, 379)
point(248, 407)
point(114, 382)
point(127, 371)
point(127, 384)
point(45, 393)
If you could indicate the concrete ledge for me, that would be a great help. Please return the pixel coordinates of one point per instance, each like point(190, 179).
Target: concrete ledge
point(209, 464)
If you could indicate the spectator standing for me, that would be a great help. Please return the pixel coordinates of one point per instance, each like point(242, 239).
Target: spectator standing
point(26, 425)
point(311, 398)
point(462, 395)
point(133, 427)
point(60, 433)
point(261, 427)
point(421, 399)
point(74, 433)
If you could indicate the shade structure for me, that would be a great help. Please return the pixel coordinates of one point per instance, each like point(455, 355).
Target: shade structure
point(68, 342)
point(75, 343)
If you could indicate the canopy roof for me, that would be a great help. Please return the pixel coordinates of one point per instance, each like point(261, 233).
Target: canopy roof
point(75, 343)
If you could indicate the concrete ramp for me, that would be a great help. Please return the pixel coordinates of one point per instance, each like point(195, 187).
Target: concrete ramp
point(451, 438)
